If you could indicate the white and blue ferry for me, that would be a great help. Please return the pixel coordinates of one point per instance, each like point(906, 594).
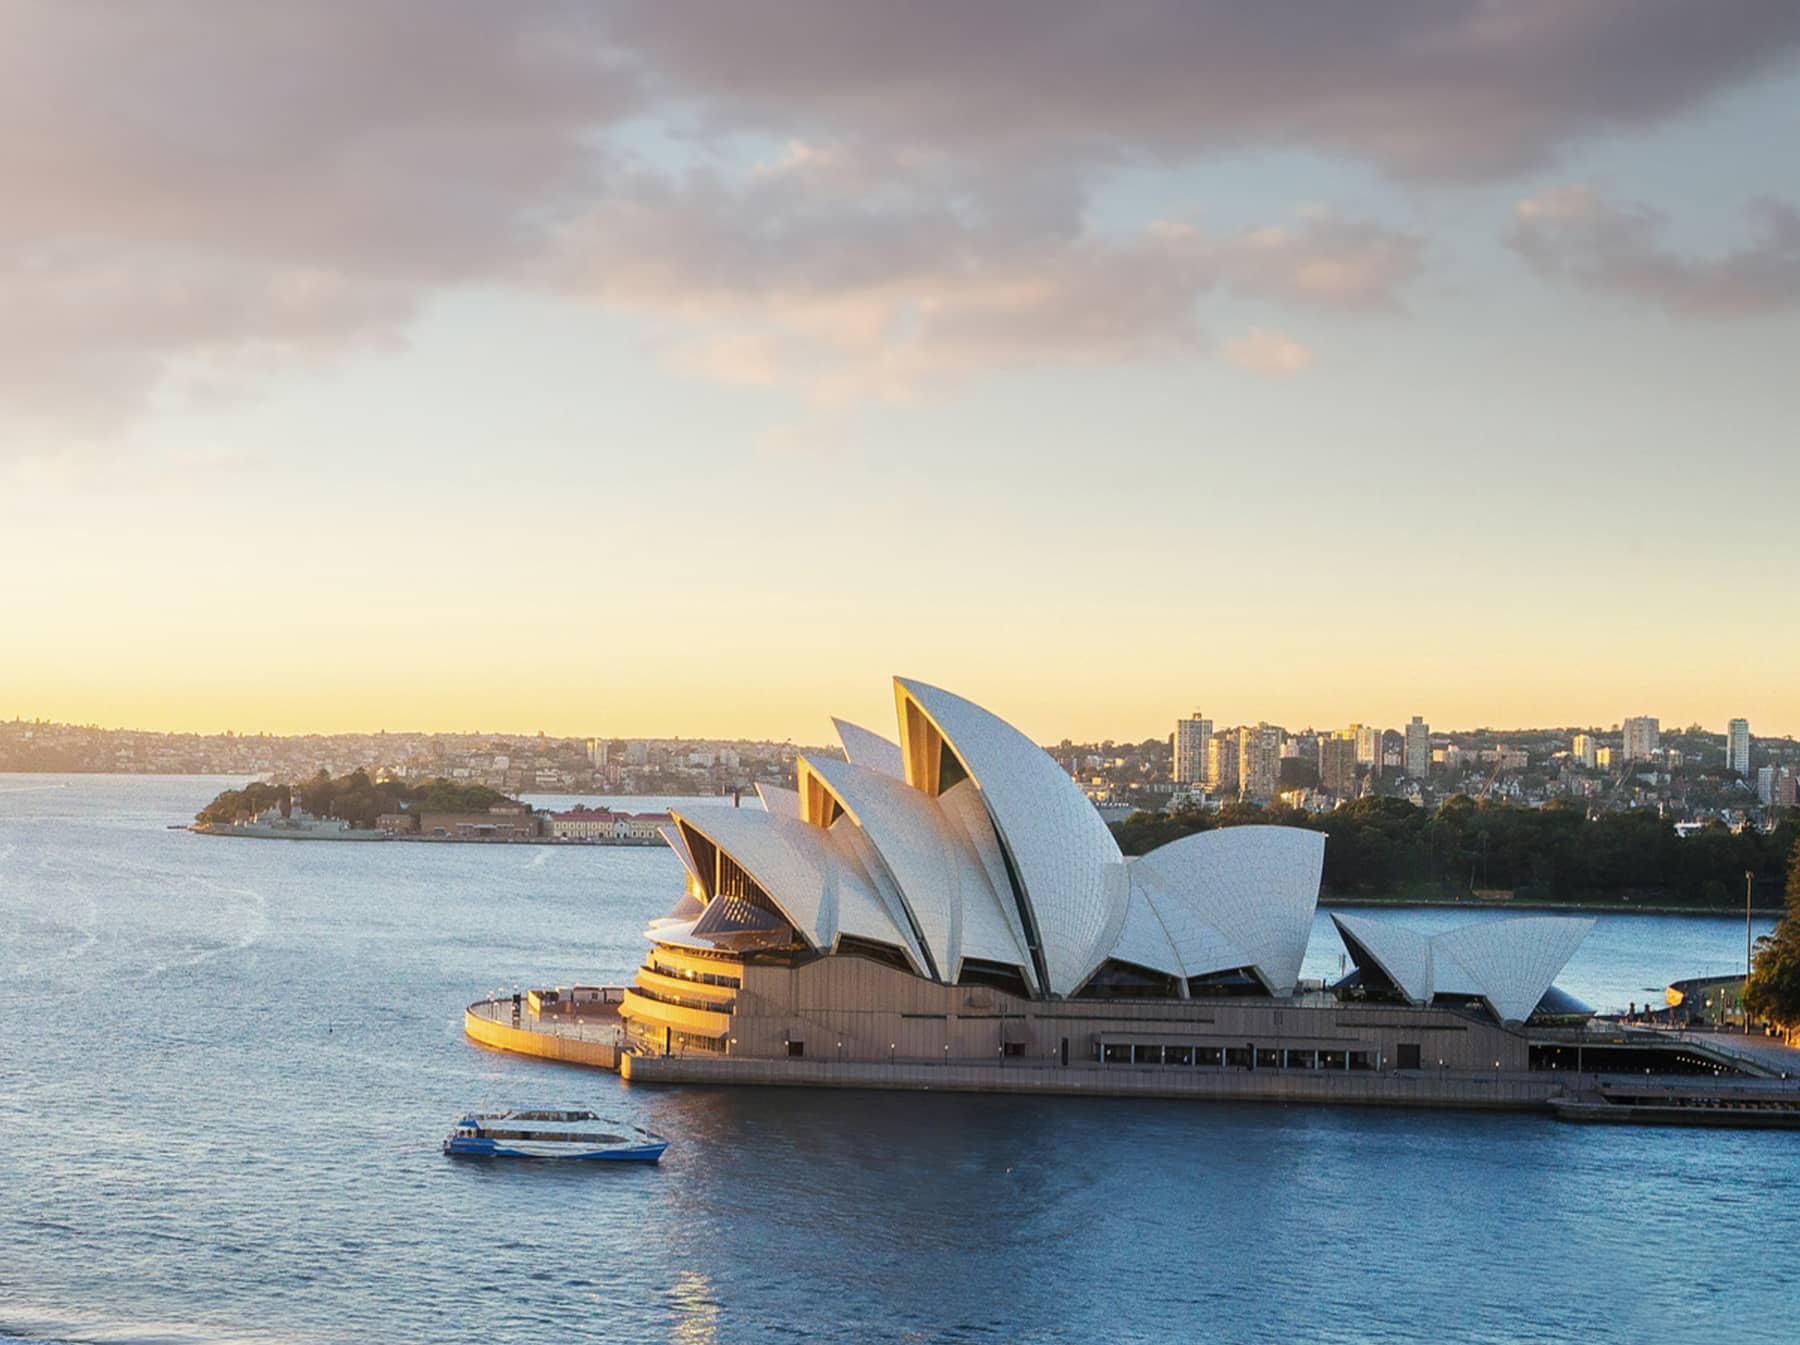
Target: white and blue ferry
point(541, 1133)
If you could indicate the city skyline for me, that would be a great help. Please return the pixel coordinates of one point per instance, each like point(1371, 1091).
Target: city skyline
point(1205, 728)
point(705, 375)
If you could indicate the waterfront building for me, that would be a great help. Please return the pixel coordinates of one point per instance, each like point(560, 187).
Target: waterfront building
point(1585, 750)
point(605, 824)
point(583, 825)
point(642, 827)
point(1191, 738)
point(1418, 749)
point(1642, 735)
point(1737, 747)
point(1259, 763)
point(949, 911)
point(1337, 764)
point(1222, 763)
point(502, 822)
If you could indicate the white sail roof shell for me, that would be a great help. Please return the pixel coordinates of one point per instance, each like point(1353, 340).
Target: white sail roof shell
point(1144, 939)
point(1237, 897)
point(775, 799)
point(1513, 962)
point(869, 750)
point(1509, 963)
point(1068, 864)
point(1402, 954)
point(673, 838)
point(941, 879)
point(816, 882)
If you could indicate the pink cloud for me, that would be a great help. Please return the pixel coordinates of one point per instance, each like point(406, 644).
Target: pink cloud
point(1576, 235)
point(1261, 351)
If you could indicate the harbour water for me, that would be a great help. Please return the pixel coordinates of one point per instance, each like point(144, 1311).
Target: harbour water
point(226, 1066)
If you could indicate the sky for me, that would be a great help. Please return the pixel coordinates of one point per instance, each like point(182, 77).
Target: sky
point(642, 369)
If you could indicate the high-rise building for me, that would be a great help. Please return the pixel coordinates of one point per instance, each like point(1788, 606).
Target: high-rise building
point(1775, 786)
point(1259, 763)
point(1337, 763)
point(1418, 749)
point(1368, 745)
point(1608, 757)
point(1585, 749)
point(1393, 750)
point(596, 753)
point(1222, 763)
point(1643, 735)
point(1191, 736)
point(1737, 746)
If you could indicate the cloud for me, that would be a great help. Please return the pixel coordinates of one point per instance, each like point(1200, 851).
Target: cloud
point(1420, 88)
point(1261, 351)
point(199, 185)
point(1324, 262)
point(849, 294)
point(1577, 236)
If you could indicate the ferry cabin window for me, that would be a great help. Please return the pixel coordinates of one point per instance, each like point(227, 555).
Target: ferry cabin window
point(1406, 1055)
point(1361, 1060)
point(1237, 1057)
point(1208, 1055)
point(1178, 1055)
point(796, 1048)
point(1268, 1058)
point(1117, 1054)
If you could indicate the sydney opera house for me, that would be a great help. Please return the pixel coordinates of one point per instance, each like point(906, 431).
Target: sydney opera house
point(949, 909)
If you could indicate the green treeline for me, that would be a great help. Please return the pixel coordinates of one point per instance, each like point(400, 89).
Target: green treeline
point(354, 798)
point(1773, 991)
point(235, 804)
point(1384, 845)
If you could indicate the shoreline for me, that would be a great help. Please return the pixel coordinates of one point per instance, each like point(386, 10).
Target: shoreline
point(364, 838)
point(1572, 907)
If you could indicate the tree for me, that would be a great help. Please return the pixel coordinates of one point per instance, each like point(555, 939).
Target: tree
point(1773, 991)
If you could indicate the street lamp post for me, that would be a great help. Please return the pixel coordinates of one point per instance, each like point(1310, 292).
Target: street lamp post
point(1749, 886)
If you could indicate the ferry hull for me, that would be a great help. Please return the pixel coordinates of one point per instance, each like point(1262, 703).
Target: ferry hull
point(483, 1148)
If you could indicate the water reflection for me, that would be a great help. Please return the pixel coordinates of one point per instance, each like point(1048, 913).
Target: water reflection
point(696, 1310)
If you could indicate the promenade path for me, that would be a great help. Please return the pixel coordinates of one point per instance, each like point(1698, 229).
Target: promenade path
point(1765, 1050)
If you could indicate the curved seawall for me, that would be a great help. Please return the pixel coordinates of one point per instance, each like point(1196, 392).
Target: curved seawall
point(482, 1024)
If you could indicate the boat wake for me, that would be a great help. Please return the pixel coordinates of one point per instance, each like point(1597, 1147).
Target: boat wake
point(248, 905)
point(34, 1325)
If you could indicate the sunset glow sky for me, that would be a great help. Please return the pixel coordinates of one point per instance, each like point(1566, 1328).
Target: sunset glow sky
point(645, 369)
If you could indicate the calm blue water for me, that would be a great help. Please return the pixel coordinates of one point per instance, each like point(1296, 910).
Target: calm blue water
point(225, 1067)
